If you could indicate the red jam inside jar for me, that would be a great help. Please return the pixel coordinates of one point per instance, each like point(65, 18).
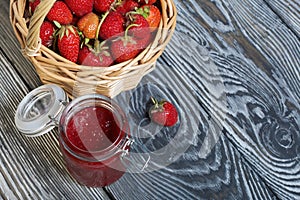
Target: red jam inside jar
point(93, 132)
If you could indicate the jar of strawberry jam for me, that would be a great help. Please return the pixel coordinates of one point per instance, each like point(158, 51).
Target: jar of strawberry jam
point(93, 132)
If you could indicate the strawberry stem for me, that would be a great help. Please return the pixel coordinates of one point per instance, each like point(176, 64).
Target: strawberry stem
point(155, 102)
point(100, 46)
point(101, 22)
point(127, 28)
point(117, 3)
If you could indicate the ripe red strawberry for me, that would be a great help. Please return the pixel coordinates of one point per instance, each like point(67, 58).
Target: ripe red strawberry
point(33, 4)
point(75, 20)
point(88, 24)
point(163, 113)
point(135, 38)
point(127, 6)
point(46, 33)
point(80, 7)
point(144, 42)
point(138, 26)
point(124, 48)
point(60, 13)
point(143, 2)
point(102, 5)
point(68, 42)
point(95, 57)
point(112, 25)
point(152, 15)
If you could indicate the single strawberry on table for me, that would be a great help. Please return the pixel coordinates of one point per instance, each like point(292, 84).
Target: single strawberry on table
point(163, 113)
point(46, 33)
point(68, 42)
point(60, 13)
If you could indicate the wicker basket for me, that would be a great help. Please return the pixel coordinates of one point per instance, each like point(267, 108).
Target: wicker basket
point(78, 79)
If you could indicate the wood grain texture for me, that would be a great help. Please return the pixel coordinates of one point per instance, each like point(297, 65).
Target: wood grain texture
point(31, 168)
point(257, 58)
point(267, 98)
point(232, 69)
point(209, 168)
point(289, 11)
point(242, 62)
point(11, 48)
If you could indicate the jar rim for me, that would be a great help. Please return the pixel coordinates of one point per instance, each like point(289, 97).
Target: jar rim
point(36, 114)
point(106, 152)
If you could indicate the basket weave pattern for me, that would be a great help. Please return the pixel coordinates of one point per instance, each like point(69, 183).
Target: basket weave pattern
point(79, 79)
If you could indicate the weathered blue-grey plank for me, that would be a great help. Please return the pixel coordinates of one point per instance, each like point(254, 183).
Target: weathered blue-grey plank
point(242, 62)
point(232, 68)
point(289, 11)
point(201, 162)
point(31, 168)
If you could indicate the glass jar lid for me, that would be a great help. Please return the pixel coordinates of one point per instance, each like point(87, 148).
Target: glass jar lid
point(40, 110)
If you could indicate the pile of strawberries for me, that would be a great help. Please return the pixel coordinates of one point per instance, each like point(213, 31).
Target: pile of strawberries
point(99, 32)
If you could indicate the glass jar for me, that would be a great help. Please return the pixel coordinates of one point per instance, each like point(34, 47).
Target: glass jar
point(94, 134)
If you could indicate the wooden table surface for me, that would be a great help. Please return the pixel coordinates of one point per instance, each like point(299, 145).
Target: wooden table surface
point(232, 68)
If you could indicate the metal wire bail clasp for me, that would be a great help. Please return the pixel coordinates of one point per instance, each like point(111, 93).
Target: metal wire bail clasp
point(137, 162)
point(55, 119)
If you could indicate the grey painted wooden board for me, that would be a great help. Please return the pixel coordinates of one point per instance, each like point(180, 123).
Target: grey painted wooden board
point(31, 168)
point(232, 68)
point(209, 167)
point(11, 49)
point(288, 11)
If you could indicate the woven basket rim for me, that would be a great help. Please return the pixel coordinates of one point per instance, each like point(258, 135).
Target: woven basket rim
point(53, 68)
